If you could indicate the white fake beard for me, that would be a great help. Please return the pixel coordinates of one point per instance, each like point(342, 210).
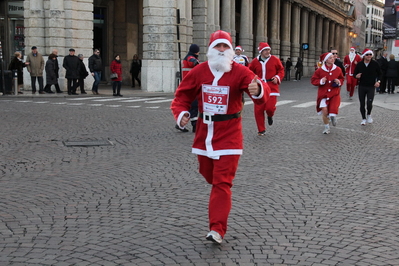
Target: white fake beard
point(220, 61)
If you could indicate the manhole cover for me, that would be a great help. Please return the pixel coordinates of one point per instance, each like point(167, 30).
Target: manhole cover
point(87, 143)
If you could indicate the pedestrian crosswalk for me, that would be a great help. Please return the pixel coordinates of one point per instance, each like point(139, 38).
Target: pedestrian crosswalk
point(146, 102)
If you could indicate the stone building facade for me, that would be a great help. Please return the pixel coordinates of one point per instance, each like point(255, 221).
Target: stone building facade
point(149, 28)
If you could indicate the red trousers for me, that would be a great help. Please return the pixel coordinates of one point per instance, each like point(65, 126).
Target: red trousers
point(351, 83)
point(259, 111)
point(220, 174)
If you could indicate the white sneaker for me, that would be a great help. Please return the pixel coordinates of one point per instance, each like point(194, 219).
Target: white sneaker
point(326, 129)
point(369, 119)
point(214, 237)
point(333, 120)
point(363, 123)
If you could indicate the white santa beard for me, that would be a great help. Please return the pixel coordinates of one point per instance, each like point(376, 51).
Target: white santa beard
point(220, 61)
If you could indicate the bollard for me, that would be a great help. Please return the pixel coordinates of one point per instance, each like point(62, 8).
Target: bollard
point(15, 82)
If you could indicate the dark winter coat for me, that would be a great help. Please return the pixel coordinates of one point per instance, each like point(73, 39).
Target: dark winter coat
point(392, 70)
point(72, 66)
point(95, 63)
point(51, 77)
point(82, 72)
point(18, 65)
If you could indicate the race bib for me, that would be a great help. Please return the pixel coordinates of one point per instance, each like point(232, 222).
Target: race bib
point(215, 99)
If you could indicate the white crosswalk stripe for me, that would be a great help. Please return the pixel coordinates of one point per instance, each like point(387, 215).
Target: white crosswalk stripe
point(101, 101)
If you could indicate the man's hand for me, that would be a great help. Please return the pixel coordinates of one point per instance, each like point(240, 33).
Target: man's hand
point(184, 120)
point(358, 75)
point(92, 73)
point(253, 87)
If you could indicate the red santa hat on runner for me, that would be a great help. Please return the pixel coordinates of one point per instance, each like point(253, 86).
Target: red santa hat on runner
point(220, 36)
point(367, 51)
point(352, 48)
point(239, 48)
point(262, 46)
point(324, 57)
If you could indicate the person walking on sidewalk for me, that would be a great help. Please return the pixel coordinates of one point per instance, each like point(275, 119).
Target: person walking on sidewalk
point(18, 65)
point(95, 67)
point(51, 77)
point(116, 68)
point(135, 70)
point(57, 70)
point(218, 84)
point(72, 67)
point(329, 79)
point(288, 65)
point(383, 62)
point(35, 68)
point(298, 69)
point(369, 73)
point(350, 62)
point(269, 68)
point(82, 75)
point(392, 74)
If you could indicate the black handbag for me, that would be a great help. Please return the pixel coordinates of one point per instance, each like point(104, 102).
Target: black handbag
point(113, 76)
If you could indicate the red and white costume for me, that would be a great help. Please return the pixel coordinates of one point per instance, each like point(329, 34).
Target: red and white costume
point(350, 63)
point(218, 144)
point(266, 70)
point(328, 95)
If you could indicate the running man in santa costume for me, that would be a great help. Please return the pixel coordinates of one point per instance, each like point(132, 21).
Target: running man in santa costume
point(239, 57)
point(218, 84)
point(350, 62)
point(329, 79)
point(269, 68)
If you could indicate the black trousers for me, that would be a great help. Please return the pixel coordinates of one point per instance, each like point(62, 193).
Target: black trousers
point(366, 92)
point(72, 84)
point(33, 83)
point(81, 85)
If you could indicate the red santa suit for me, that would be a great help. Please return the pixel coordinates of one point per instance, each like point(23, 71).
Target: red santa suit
point(218, 139)
point(328, 93)
point(268, 69)
point(350, 63)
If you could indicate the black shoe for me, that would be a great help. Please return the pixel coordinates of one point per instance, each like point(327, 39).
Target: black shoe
point(114, 94)
point(120, 95)
point(42, 92)
point(182, 130)
point(49, 91)
point(83, 92)
point(20, 92)
point(270, 120)
point(74, 93)
point(59, 91)
point(33, 92)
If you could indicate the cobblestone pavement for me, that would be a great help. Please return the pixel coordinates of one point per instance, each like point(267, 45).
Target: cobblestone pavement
point(299, 197)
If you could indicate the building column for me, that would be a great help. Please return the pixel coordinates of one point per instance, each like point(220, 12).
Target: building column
point(233, 20)
point(34, 25)
point(313, 58)
point(160, 62)
point(55, 31)
point(319, 40)
point(338, 39)
point(331, 35)
point(246, 35)
point(200, 30)
point(185, 26)
point(295, 33)
point(326, 27)
point(274, 20)
point(211, 16)
point(285, 33)
point(261, 25)
point(226, 18)
point(304, 39)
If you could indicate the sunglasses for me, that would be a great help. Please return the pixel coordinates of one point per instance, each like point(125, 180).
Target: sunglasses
point(334, 53)
point(368, 54)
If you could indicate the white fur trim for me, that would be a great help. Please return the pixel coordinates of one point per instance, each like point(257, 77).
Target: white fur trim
point(217, 41)
point(261, 92)
point(180, 117)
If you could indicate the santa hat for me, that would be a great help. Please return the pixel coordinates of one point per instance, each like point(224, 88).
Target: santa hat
point(220, 37)
point(262, 46)
point(367, 51)
point(352, 48)
point(324, 57)
point(239, 48)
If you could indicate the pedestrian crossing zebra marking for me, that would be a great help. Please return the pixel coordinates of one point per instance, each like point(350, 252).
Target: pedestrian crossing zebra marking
point(305, 105)
point(159, 101)
point(284, 102)
point(142, 100)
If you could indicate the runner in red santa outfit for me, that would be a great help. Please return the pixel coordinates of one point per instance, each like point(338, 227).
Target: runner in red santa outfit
point(270, 69)
point(218, 84)
point(329, 79)
point(350, 62)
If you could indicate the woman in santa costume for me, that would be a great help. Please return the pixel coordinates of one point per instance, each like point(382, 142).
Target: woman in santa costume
point(218, 84)
point(269, 68)
point(350, 63)
point(329, 79)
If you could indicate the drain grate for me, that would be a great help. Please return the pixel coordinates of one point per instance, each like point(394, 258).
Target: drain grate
point(87, 143)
